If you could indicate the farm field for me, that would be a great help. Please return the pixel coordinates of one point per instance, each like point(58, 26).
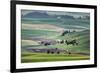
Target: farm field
point(46, 38)
point(40, 57)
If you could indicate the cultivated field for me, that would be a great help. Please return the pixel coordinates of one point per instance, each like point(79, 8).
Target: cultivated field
point(41, 57)
point(37, 32)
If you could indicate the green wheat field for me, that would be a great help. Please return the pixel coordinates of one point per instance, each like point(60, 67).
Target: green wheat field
point(44, 31)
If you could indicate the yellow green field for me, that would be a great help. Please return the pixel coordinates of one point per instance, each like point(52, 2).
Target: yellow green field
point(40, 57)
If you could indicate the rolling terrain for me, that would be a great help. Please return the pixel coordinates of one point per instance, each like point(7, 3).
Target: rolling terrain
point(36, 29)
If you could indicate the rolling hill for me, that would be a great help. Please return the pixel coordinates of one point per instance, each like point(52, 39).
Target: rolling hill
point(37, 26)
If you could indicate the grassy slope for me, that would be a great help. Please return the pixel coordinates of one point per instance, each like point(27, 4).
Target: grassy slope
point(40, 57)
point(82, 37)
point(83, 47)
point(39, 33)
point(64, 23)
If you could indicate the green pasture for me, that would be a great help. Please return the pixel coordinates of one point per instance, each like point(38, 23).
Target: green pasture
point(64, 23)
point(83, 38)
point(40, 57)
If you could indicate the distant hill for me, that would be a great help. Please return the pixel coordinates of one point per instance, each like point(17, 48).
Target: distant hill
point(45, 15)
point(65, 16)
point(36, 15)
